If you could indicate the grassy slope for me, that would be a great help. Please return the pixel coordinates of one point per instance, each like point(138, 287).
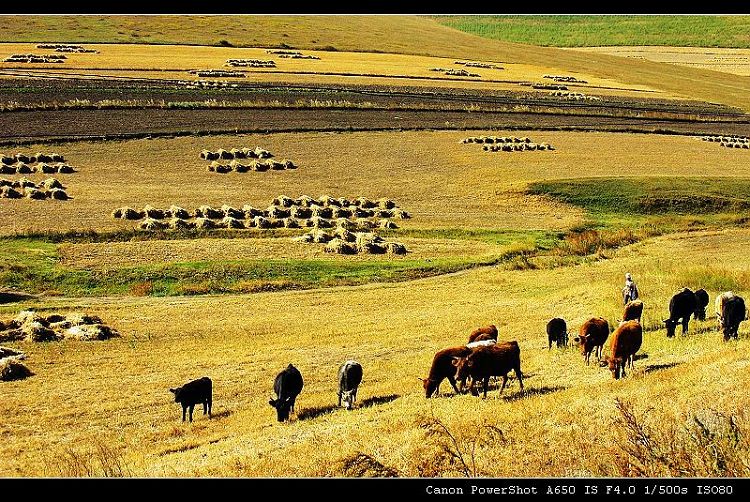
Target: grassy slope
point(398, 34)
point(591, 31)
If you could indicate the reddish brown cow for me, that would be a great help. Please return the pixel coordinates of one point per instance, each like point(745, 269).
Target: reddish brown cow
point(626, 341)
point(633, 311)
point(592, 336)
point(490, 331)
point(492, 360)
point(442, 368)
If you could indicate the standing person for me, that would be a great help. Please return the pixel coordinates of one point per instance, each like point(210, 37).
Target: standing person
point(630, 291)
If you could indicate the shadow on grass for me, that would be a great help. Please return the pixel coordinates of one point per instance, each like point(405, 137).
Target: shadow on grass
point(221, 414)
point(656, 367)
point(638, 357)
point(377, 400)
point(316, 411)
point(533, 392)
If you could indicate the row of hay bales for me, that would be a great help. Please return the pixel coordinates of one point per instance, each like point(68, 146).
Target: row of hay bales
point(731, 141)
point(36, 58)
point(518, 147)
point(251, 63)
point(290, 54)
point(344, 241)
point(460, 73)
point(41, 167)
point(253, 165)
point(565, 78)
point(29, 326)
point(31, 158)
point(260, 222)
point(67, 48)
point(218, 73)
point(476, 64)
point(50, 188)
point(11, 365)
point(546, 87)
point(575, 96)
point(207, 84)
point(236, 153)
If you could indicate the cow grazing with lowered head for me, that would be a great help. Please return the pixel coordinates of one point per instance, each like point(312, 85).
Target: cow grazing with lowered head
point(486, 333)
point(442, 368)
point(350, 376)
point(730, 312)
point(633, 311)
point(485, 362)
point(198, 391)
point(701, 302)
point(557, 332)
point(287, 386)
point(681, 306)
point(626, 340)
point(591, 337)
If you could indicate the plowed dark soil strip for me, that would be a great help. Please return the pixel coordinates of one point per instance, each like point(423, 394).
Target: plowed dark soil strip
point(74, 125)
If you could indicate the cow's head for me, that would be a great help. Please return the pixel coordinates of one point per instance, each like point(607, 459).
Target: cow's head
point(700, 313)
point(583, 342)
point(177, 394)
point(283, 406)
point(671, 325)
point(347, 397)
point(430, 386)
point(463, 367)
point(615, 366)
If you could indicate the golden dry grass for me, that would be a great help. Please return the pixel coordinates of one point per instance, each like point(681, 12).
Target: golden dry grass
point(115, 393)
point(444, 184)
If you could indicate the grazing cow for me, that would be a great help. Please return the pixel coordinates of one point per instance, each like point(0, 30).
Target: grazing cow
point(701, 302)
point(633, 311)
point(198, 391)
point(592, 336)
point(490, 331)
point(681, 306)
point(626, 340)
point(350, 376)
point(557, 332)
point(287, 386)
point(730, 312)
point(442, 368)
point(484, 362)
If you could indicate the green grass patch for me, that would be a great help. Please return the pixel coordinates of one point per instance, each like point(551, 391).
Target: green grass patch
point(538, 239)
point(598, 30)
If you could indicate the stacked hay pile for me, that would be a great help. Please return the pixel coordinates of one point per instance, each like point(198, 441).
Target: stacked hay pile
point(548, 87)
point(11, 367)
point(507, 144)
point(207, 84)
point(218, 73)
point(36, 58)
point(291, 54)
point(67, 48)
point(44, 163)
point(251, 63)
point(474, 64)
point(565, 78)
point(243, 160)
point(49, 189)
point(29, 326)
point(575, 96)
point(460, 73)
point(729, 141)
point(361, 214)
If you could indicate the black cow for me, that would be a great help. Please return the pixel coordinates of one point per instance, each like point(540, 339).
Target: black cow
point(198, 391)
point(701, 299)
point(350, 376)
point(287, 386)
point(730, 312)
point(557, 332)
point(681, 306)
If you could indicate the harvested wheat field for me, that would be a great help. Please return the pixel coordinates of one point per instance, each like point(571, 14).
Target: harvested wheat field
point(310, 191)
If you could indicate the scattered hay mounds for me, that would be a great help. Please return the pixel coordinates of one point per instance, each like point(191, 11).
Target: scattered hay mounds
point(206, 84)
point(67, 48)
point(50, 188)
point(251, 63)
point(460, 73)
point(507, 144)
point(545, 86)
point(29, 326)
point(36, 58)
point(218, 73)
point(565, 78)
point(575, 96)
point(44, 163)
point(291, 54)
point(476, 64)
point(11, 367)
point(243, 160)
point(732, 141)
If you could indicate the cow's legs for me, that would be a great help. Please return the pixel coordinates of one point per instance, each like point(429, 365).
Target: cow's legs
point(453, 383)
point(339, 398)
point(519, 376)
point(210, 405)
point(486, 384)
point(685, 321)
point(184, 410)
point(192, 407)
point(205, 407)
point(505, 381)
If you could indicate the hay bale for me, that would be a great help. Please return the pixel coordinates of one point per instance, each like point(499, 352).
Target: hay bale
point(27, 317)
point(341, 212)
point(151, 224)
point(291, 223)
point(275, 165)
point(259, 166)
point(277, 212)
point(10, 193)
point(327, 200)
point(78, 318)
point(11, 368)
point(300, 212)
point(363, 213)
point(346, 224)
point(8, 352)
point(51, 183)
point(234, 164)
point(20, 157)
point(395, 248)
point(344, 202)
point(241, 168)
point(24, 183)
point(7, 169)
point(365, 224)
point(339, 246)
point(56, 157)
point(178, 212)
point(322, 212)
point(5, 183)
point(11, 335)
point(321, 236)
point(318, 222)
point(91, 332)
point(262, 153)
point(7, 160)
point(57, 194)
point(387, 224)
point(531, 146)
point(206, 155)
point(401, 214)
point(262, 222)
point(229, 222)
point(204, 223)
point(180, 224)
point(238, 153)
point(372, 248)
point(252, 212)
point(223, 154)
point(34, 193)
point(306, 201)
point(283, 201)
point(385, 203)
point(209, 212)
point(288, 164)
point(38, 332)
point(364, 203)
point(222, 168)
point(384, 213)
point(152, 212)
point(232, 212)
point(64, 168)
point(23, 168)
point(128, 213)
point(306, 238)
point(345, 235)
point(247, 153)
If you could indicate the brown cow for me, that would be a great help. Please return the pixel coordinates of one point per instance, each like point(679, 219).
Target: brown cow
point(626, 341)
point(633, 311)
point(490, 330)
point(442, 368)
point(592, 336)
point(492, 360)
